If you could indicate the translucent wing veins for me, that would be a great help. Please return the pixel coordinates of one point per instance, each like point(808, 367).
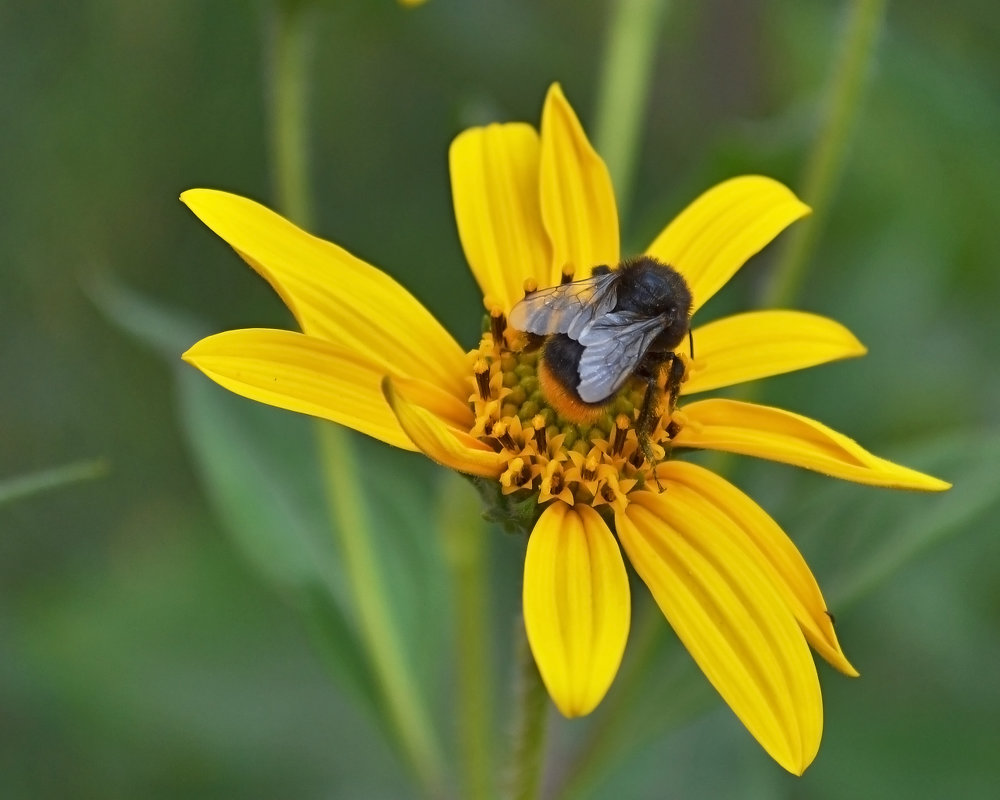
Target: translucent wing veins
point(613, 348)
point(569, 308)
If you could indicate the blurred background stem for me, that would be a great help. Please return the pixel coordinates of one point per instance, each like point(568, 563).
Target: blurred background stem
point(626, 73)
point(290, 42)
point(531, 705)
point(823, 167)
point(465, 547)
point(407, 715)
point(825, 161)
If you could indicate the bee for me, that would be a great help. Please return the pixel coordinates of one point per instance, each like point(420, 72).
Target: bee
point(602, 331)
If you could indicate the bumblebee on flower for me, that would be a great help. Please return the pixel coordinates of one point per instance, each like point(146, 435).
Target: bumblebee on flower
point(596, 457)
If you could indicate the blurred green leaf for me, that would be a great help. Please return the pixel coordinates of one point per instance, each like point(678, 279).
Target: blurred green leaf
point(259, 470)
point(172, 668)
point(167, 332)
point(251, 462)
point(17, 487)
point(873, 534)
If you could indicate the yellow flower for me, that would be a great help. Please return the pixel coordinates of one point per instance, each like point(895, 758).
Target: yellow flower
point(530, 206)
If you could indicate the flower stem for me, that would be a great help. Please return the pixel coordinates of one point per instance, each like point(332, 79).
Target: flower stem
point(384, 649)
point(407, 715)
point(528, 743)
point(465, 540)
point(626, 72)
point(289, 106)
point(826, 160)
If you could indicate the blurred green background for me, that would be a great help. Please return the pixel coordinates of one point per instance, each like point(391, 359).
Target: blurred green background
point(151, 646)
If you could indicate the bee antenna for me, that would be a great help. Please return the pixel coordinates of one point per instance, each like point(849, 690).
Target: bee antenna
point(691, 343)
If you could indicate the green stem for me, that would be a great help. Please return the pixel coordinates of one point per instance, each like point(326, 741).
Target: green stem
point(826, 160)
point(377, 628)
point(465, 540)
point(529, 725)
point(626, 73)
point(289, 106)
point(379, 635)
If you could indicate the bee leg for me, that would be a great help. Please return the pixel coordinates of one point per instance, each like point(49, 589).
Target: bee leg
point(644, 425)
point(647, 414)
point(674, 378)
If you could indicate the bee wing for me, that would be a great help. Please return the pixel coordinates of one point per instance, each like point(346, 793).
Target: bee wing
point(613, 348)
point(568, 308)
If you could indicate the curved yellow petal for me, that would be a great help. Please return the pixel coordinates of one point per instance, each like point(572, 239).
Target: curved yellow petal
point(731, 618)
point(759, 344)
point(494, 186)
point(704, 494)
point(334, 295)
point(778, 435)
point(301, 373)
point(578, 200)
point(576, 605)
point(715, 235)
point(445, 443)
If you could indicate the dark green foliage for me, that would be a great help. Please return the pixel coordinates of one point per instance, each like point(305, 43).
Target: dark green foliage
point(153, 642)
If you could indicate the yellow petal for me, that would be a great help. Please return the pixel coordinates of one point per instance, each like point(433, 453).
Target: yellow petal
point(334, 295)
point(494, 185)
point(445, 443)
point(771, 433)
point(578, 200)
point(715, 235)
point(745, 347)
point(731, 618)
point(708, 496)
point(301, 373)
point(576, 605)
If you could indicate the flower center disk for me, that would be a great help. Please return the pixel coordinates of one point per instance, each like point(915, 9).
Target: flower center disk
point(596, 463)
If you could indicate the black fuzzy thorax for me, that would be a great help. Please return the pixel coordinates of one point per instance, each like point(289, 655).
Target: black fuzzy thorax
point(651, 288)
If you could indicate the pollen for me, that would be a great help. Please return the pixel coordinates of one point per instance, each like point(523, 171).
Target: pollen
point(597, 463)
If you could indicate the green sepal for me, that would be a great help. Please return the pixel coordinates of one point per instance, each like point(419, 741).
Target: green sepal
point(515, 513)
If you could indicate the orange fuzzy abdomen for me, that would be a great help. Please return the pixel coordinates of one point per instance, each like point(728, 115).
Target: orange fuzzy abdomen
point(561, 395)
